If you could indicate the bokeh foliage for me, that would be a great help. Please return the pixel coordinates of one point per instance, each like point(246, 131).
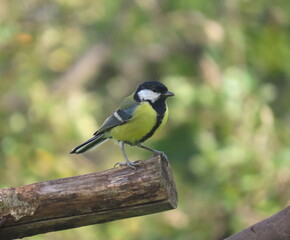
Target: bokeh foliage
point(65, 65)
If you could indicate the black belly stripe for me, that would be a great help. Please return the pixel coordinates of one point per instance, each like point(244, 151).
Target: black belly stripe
point(158, 122)
point(160, 108)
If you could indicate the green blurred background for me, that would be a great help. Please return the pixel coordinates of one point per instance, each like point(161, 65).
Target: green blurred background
point(66, 64)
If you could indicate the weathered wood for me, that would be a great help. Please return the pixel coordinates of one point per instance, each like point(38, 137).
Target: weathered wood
point(276, 227)
point(87, 199)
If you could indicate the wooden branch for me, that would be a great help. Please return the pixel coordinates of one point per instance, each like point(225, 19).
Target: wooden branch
point(88, 199)
point(276, 227)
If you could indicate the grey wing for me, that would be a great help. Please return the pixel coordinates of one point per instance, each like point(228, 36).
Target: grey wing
point(119, 117)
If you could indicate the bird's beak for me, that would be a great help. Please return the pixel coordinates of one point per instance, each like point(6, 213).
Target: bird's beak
point(168, 94)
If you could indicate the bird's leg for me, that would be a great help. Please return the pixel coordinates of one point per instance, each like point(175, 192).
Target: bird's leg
point(156, 152)
point(128, 162)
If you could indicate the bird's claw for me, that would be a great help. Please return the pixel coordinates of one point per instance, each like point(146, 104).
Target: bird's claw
point(162, 155)
point(139, 162)
point(120, 164)
point(131, 165)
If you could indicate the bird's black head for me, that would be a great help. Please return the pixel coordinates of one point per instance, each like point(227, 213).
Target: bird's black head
point(152, 92)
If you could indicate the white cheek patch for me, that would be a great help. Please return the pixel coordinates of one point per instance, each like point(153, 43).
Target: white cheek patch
point(149, 95)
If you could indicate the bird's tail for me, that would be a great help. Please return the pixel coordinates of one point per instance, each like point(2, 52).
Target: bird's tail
point(90, 144)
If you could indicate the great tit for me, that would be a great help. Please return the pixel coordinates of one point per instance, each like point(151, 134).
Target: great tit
point(138, 117)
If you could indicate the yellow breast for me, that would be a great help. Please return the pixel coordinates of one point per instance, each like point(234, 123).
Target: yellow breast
point(143, 120)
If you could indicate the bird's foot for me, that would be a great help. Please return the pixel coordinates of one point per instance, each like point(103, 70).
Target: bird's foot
point(162, 155)
point(131, 165)
point(3, 221)
point(139, 162)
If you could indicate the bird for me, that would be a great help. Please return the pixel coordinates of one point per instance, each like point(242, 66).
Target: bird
point(138, 117)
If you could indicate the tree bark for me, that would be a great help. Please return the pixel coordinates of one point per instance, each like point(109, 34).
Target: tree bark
point(87, 199)
point(276, 227)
